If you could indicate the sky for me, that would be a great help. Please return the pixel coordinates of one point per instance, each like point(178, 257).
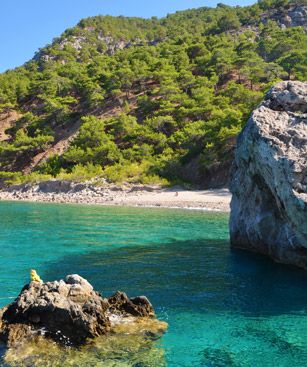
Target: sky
point(27, 25)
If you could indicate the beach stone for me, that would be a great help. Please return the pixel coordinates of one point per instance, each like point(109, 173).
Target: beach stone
point(68, 311)
point(269, 178)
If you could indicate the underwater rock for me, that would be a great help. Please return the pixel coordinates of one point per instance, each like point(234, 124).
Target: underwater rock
point(269, 179)
point(68, 311)
point(128, 345)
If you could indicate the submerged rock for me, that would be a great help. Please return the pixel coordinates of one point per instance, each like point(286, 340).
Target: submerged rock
point(269, 179)
point(127, 345)
point(68, 311)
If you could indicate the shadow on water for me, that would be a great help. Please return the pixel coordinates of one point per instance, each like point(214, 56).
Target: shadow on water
point(196, 275)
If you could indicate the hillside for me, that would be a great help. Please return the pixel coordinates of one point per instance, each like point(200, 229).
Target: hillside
point(147, 100)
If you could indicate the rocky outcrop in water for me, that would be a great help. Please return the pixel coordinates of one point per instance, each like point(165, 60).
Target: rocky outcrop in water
point(68, 311)
point(269, 179)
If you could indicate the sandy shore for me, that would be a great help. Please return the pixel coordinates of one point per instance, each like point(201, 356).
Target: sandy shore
point(198, 199)
point(126, 195)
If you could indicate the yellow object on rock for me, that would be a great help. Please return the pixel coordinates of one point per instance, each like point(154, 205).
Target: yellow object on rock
point(35, 277)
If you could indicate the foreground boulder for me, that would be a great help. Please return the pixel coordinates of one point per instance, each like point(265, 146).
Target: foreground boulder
point(67, 311)
point(269, 179)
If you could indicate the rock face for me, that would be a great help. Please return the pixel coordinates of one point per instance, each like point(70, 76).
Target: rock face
point(269, 179)
point(289, 16)
point(68, 311)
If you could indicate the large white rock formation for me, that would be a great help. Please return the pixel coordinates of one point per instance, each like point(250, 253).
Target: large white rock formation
point(269, 179)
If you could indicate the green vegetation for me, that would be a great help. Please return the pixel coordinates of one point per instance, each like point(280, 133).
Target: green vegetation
point(157, 100)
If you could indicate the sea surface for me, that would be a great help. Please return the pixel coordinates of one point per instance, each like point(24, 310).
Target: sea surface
point(224, 307)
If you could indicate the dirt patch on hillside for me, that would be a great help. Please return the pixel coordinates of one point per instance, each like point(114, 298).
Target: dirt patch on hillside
point(7, 120)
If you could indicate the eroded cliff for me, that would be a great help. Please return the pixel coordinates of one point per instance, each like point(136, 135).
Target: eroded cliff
point(269, 179)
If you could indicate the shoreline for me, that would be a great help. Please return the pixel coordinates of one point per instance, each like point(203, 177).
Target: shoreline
point(63, 192)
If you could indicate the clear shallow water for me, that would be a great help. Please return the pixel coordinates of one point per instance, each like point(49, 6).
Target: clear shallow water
point(224, 308)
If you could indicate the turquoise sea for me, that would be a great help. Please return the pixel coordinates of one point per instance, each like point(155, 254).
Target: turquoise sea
point(224, 307)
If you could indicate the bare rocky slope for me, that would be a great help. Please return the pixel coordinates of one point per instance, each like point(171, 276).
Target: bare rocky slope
point(294, 16)
point(269, 179)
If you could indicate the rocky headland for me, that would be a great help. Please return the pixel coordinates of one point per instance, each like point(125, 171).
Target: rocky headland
point(71, 313)
point(269, 178)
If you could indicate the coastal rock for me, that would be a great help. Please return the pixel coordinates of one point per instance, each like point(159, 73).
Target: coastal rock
point(269, 179)
point(138, 306)
point(68, 311)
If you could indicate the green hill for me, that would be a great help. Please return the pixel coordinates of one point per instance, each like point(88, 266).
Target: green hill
point(147, 100)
